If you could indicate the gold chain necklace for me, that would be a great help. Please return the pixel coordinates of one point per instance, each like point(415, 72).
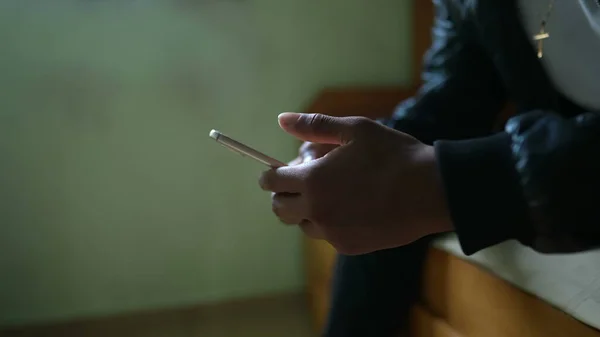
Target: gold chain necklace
point(543, 34)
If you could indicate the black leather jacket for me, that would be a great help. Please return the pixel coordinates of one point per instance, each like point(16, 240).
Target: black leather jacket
point(539, 180)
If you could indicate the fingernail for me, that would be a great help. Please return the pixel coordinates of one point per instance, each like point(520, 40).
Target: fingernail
point(288, 118)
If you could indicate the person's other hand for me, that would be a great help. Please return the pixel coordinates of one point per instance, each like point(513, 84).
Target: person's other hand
point(310, 151)
point(378, 189)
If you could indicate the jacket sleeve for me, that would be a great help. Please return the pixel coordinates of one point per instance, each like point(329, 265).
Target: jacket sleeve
point(461, 94)
point(537, 182)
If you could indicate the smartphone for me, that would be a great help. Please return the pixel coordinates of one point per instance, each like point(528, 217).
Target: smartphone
point(245, 150)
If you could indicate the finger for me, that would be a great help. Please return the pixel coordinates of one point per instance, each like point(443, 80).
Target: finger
point(308, 157)
point(318, 128)
point(316, 151)
point(307, 151)
point(306, 147)
point(289, 208)
point(296, 161)
point(312, 230)
point(287, 179)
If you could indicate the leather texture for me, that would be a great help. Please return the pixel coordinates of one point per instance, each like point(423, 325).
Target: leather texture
point(480, 60)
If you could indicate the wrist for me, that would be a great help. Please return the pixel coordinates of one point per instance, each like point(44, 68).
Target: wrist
point(438, 219)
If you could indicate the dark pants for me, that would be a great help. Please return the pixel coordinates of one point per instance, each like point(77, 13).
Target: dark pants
point(372, 294)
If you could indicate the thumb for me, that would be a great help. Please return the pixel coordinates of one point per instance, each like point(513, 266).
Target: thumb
point(317, 128)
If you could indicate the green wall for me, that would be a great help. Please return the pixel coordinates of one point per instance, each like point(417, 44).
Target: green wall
point(112, 196)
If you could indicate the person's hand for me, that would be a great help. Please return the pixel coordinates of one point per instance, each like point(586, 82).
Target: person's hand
point(310, 151)
point(378, 189)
